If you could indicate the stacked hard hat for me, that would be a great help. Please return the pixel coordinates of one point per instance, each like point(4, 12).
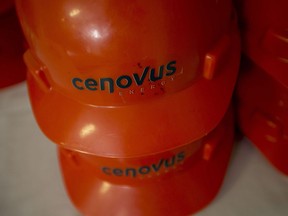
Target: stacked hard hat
point(263, 84)
point(136, 95)
point(12, 67)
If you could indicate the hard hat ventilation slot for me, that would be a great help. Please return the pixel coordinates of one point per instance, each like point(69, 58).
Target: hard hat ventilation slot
point(44, 79)
point(36, 68)
point(215, 57)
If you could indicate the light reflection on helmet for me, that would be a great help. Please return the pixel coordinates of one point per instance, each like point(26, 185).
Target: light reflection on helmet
point(109, 74)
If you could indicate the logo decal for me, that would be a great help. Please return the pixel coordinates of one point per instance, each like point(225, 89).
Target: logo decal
point(109, 84)
point(161, 166)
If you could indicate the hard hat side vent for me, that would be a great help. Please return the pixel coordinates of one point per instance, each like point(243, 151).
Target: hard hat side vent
point(37, 70)
point(215, 57)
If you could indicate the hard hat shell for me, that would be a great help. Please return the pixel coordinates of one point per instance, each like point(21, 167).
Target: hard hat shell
point(263, 113)
point(122, 78)
point(12, 67)
point(180, 181)
point(265, 35)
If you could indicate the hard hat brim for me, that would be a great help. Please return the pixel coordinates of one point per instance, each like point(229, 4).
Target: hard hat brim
point(183, 190)
point(145, 128)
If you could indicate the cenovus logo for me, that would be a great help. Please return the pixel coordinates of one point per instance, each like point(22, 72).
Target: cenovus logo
point(125, 81)
point(162, 165)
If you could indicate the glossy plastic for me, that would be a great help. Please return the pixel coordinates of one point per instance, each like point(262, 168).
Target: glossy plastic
point(265, 35)
point(104, 75)
point(263, 113)
point(180, 181)
point(12, 67)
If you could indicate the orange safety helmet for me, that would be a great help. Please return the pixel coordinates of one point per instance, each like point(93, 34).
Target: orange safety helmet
point(129, 78)
point(12, 67)
point(176, 182)
point(265, 35)
point(263, 97)
point(263, 113)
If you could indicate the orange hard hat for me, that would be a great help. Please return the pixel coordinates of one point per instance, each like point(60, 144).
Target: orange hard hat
point(12, 67)
point(176, 182)
point(265, 36)
point(263, 113)
point(122, 78)
point(263, 86)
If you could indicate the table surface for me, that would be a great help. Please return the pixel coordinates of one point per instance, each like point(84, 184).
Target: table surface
point(31, 184)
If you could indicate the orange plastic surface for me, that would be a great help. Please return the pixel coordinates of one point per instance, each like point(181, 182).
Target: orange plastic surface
point(265, 35)
point(180, 181)
point(12, 67)
point(263, 113)
point(104, 75)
